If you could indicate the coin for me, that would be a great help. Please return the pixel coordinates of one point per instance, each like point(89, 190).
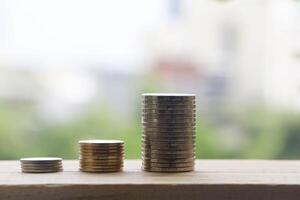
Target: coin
point(168, 101)
point(100, 171)
point(168, 165)
point(170, 121)
point(160, 169)
point(150, 115)
point(40, 160)
point(172, 129)
point(101, 142)
point(99, 152)
point(101, 166)
point(167, 155)
point(173, 147)
point(41, 171)
point(101, 147)
point(168, 112)
point(168, 138)
point(168, 125)
point(168, 132)
point(41, 164)
point(169, 160)
point(173, 96)
point(168, 148)
point(172, 142)
point(101, 155)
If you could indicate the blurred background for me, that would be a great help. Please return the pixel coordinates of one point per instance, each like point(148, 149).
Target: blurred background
point(75, 69)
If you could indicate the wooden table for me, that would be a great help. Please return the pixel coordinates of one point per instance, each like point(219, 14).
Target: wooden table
point(213, 179)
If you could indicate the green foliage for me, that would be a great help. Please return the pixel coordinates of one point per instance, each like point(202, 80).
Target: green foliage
point(269, 135)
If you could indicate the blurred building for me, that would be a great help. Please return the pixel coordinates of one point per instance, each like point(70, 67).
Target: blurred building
point(251, 45)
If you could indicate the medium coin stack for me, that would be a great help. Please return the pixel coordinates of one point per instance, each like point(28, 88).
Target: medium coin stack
point(41, 165)
point(168, 135)
point(101, 155)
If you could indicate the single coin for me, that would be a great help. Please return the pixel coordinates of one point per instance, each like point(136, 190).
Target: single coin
point(100, 171)
point(101, 151)
point(168, 138)
point(169, 143)
point(168, 125)
point(93, 166)
point(40, 166)
point(153, 148)
point(168, 165)
point(167, 104)
point(168, 101)
point(102, 142)
point(168, 129)
point(157, 169)
point(100, 146)
point(170, 155)
point(101, 158)
point(90, 160)
point(40, 160)
point(169, 135)
point(167, 152)
point(168, 117)
point(173, 96)
point(168, 112)
point(101, 154)
point(159, 147)
point(188, 131)
point(173, 108)
point(40, 171)
point(100, 167)
point(169, 160)
point(170, 121)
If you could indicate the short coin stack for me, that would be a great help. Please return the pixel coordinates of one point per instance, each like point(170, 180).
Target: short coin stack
point(168, 138)
point(41, 165)
point(101, 155)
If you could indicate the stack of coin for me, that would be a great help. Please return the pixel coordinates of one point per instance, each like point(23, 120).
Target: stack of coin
point(101, 155)
point(168, 137)
point(41, 165)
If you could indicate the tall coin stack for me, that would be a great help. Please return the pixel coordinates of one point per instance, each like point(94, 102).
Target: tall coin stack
point(41, 165)
point(101, 155)
point(168, 136)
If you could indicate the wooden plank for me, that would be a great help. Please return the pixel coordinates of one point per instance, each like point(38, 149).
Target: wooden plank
point(212, 179)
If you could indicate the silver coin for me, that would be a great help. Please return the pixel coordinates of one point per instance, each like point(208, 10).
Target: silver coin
point(173, 96)
point(168, 165)
point(169, 121)
point(158, 169)
point(169, 160)
point(41, 160)
point(168, 116)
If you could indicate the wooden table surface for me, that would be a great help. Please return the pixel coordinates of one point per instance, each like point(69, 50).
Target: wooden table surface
point(212, 179)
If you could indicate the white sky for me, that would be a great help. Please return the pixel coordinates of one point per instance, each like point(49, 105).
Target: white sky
point(69, 32)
